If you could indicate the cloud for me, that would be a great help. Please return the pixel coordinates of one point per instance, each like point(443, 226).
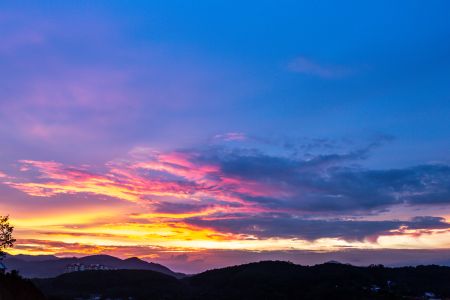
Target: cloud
point(288, 226)
point(40, 246)
point(306, 66)
point(231, 136)
point(126, 183)
point(253, 191)
point(328, 182)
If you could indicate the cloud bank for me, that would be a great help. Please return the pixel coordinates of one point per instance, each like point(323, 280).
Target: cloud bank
point(255, 193)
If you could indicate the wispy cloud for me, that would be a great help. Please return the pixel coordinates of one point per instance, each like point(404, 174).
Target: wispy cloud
point(231, 136)
point(310, 67)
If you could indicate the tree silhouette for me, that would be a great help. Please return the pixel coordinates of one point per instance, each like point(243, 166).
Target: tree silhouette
point(6, 238)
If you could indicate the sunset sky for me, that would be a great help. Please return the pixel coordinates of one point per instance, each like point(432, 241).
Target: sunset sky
point(200, 134)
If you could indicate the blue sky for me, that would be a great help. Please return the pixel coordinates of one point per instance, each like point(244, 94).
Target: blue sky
point(387, 64)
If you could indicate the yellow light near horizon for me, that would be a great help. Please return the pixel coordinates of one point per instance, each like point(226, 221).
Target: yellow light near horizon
point(60, 219)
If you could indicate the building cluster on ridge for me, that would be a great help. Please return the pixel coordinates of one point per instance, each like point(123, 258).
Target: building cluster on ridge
point(76, 267)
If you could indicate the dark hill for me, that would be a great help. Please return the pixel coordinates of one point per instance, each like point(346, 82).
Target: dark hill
point(263, 280)
point(13, 287)
point(283, 280)
point(138, 284)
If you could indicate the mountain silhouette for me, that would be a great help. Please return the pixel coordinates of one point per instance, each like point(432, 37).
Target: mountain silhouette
point(48, 266)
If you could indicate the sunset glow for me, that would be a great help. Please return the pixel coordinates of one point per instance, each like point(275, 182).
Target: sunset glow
point(199, 139)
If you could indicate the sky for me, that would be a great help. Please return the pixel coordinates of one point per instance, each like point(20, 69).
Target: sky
point(201, 134)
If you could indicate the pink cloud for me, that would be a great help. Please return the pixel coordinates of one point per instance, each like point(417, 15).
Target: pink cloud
point(158, 177)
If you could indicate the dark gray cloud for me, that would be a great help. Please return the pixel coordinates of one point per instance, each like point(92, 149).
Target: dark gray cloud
point(330, 182)
point(287, 226)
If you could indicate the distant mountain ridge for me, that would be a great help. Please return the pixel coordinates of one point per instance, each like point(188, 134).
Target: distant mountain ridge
point(48, 266)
